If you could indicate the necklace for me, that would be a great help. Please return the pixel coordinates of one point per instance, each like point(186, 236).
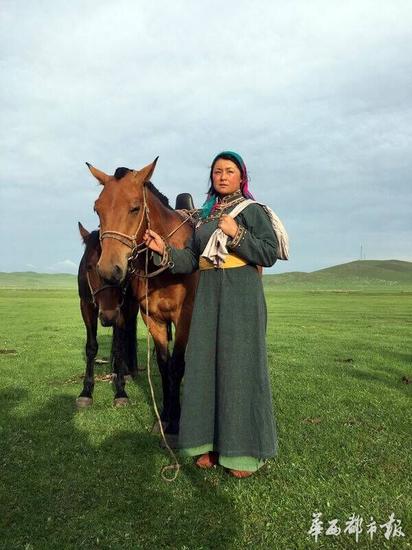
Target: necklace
point(223, 204)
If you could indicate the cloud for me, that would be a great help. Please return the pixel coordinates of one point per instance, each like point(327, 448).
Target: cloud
point(319, 106)
point(65, 266)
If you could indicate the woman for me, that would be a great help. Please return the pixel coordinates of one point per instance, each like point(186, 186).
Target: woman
point(227, 413)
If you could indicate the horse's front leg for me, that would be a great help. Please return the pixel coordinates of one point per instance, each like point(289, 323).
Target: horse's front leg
point(119, 351)
point(131, 343)
point(89, 314)
point(177, 369)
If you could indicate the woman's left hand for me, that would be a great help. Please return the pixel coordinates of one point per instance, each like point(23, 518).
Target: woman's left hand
point(228, 225)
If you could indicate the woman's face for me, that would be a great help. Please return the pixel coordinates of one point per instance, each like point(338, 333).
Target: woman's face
point(226, 177)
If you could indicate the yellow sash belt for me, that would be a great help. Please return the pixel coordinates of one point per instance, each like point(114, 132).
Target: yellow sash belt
point(231, 260)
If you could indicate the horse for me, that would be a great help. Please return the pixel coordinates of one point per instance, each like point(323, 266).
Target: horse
point(128, 203)
point(114, 306)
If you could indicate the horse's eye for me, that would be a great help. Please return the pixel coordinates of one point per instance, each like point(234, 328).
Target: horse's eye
point(89, 267)
point(135, 209)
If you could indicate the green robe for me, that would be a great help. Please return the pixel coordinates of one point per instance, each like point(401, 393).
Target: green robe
point(227, 401)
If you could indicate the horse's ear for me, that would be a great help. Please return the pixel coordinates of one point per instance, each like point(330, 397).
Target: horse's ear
point(83, 232)
point(146, 173)
point(98, 174)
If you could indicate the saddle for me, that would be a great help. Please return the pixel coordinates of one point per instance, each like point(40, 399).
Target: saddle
point(184, 201)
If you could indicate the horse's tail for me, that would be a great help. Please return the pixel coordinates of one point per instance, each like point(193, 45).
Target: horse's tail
point(169, 331)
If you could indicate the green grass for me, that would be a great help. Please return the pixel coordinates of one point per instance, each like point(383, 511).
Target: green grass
point(91, 479)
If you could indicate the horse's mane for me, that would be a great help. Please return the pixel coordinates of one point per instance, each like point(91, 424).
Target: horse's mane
point(163, 199)
point(122, 171)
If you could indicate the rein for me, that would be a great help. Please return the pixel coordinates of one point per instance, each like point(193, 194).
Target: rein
point(131, 242)
point(163, 265)
point(137, 248)
point(175, 467)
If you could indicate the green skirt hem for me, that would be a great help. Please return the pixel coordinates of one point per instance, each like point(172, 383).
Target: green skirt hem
point(244, 463)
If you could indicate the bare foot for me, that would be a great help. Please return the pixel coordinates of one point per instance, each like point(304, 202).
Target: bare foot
point(207, 460)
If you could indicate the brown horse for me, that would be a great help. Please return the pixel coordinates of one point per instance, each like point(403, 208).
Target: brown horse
point(115, 307)
point(128, 203)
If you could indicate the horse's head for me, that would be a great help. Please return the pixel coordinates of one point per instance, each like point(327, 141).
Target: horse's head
point(122, 217)
point(108, 299)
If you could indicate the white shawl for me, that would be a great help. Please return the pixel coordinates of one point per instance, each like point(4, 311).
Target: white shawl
point(216, 248)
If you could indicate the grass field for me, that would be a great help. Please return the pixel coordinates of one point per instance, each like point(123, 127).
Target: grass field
point(91, 479)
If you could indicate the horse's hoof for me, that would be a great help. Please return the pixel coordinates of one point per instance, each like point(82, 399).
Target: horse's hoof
point(171, 441)
point(121, 401)
point(156, 427)
point(84, 402)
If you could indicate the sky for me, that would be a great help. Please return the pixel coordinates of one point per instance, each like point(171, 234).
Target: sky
point(316, 97)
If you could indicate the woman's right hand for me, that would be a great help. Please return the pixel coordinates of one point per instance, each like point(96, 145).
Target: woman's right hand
point(154, 241)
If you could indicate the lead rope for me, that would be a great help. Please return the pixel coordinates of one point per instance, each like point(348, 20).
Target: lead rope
point(176, 465)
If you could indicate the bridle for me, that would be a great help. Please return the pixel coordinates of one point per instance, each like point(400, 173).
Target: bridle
point(128, 240)
point(94, 293)
point(137, 248)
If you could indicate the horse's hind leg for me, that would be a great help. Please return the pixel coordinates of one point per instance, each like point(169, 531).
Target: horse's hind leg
point(89, 314)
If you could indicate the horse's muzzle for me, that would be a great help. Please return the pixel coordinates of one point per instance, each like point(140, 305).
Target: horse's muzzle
point(114, 276)
point(111, 317)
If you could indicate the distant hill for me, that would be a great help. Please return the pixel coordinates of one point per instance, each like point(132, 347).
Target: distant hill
point(360, 274)
point(364, 274)
point(32, 280)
